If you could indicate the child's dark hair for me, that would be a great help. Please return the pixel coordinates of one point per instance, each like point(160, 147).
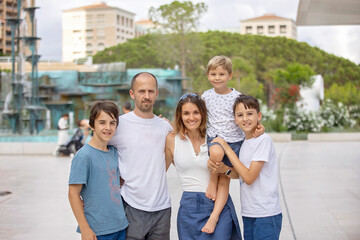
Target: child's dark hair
point(106, 106)
point(248, 101)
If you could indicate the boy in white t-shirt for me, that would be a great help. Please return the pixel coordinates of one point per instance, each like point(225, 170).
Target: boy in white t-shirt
point(219, 102)
point(258, 171)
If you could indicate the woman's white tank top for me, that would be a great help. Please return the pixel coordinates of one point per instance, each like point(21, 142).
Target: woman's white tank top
point(191, 168)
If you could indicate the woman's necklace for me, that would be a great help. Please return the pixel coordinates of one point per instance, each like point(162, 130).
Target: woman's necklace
point(196, 145)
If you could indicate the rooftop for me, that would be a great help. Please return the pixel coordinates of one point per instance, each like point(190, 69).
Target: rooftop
point(95, 6)
point(268, 16)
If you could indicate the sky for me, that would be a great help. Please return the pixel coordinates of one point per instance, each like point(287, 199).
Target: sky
point(342, 41)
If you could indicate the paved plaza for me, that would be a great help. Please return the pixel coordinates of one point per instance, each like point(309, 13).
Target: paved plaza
point(319, 189)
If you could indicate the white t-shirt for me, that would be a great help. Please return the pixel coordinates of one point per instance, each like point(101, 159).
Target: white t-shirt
point(221, 121)
point(260, 199)
point(63, 123)
point(191, 168)
point(63, 135)
point(141, 146)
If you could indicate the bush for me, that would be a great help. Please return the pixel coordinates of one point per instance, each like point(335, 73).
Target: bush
point(273, 121)
point(331, 116)
point(302, 121)
point(335, 115)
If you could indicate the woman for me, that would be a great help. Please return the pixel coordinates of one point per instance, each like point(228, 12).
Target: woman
point(186, 148)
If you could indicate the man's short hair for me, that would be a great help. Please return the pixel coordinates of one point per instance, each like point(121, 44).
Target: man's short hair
point(139, 74)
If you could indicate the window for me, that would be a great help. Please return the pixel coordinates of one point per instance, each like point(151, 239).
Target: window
point(118, 20)
point(101, 46)
point(271, 29)
point(260, 29)
point(282, 28)
point(100, 19)
point(89, 32)
point(89, 19)
point(248, 30)
point(101, 32)
point(76, 22)
point(88, 45)
point(76, 19)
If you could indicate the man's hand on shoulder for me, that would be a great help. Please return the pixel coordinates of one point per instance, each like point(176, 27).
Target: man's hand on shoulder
point(171, 123)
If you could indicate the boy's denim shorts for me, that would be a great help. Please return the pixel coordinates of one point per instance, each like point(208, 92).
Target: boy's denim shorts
point(121, 235)
point(235, 146)
point(264, 228)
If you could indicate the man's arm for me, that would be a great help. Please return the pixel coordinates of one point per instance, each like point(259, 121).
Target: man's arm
point(169, 149)
point(78, 210)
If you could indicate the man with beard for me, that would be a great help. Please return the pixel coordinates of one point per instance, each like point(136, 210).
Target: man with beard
point(140, 140)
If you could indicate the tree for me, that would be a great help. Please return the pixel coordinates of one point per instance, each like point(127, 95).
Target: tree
point(348, 94)
point(178, 20)
point(288, 82)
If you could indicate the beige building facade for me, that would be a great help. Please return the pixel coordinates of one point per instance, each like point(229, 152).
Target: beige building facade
point(89, 29)
point(9, 9)
point(270, 25)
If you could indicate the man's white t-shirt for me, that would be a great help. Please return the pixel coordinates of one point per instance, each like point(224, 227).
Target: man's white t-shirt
point(141, 146)
point(221, 121)
point(260, 199)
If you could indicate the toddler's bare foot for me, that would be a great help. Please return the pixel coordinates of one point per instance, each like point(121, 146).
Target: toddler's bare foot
point(210, 225)
point(211, 191)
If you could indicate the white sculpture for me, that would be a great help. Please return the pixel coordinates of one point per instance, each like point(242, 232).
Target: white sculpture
point(311, 96)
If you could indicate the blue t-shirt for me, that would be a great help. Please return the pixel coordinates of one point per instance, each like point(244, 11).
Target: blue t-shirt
point(99, 173)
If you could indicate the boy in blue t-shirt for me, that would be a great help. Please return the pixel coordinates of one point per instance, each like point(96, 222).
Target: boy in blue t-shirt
point(95, 179)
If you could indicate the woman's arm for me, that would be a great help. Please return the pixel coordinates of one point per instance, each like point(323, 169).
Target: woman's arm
point(250, 174)
point(169, 149)
point(78, 210)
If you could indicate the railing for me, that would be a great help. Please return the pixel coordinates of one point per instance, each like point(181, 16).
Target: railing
point(102, 78)
point(7, 59)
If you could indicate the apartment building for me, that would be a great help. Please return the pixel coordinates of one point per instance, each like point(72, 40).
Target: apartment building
point(9, 9)
point(143, 27)
point(89, 29)
point(269, 25)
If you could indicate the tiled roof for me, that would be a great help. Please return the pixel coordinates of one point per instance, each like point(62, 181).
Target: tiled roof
point(97, 5)
point(265, 17)
point(146, 21)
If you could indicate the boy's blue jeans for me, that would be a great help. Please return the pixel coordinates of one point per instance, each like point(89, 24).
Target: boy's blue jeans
point(113, 236)
point(264, 228)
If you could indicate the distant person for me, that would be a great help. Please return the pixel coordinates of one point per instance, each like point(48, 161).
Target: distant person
point(95, 180)
point(140, 140)
point(126, 108)
point(258, 171)
point(84, 125)
point(221, 123)
point(186, 148)
point(63, 127)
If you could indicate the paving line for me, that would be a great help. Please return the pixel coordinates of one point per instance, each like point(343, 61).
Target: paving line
point(283, 194)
